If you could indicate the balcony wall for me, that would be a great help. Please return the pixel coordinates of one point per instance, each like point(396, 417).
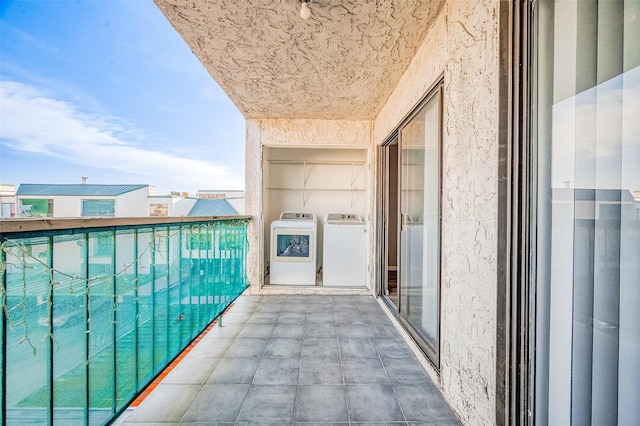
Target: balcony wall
point(462, 47)
point(93, 310)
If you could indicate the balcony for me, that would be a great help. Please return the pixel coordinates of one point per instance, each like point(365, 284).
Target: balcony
point(111, 322)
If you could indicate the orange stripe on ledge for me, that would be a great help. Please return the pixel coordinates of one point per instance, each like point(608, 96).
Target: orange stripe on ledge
point(175, 362)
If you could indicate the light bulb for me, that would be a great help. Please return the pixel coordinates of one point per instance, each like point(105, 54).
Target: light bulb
point(305, 10)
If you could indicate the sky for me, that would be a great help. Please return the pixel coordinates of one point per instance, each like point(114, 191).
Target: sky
point(108, 90)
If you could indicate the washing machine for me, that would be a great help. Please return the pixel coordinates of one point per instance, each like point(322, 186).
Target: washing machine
point(293, 257)
point(344, 250)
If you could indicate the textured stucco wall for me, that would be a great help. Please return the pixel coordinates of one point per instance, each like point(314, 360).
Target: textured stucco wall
point(294, 133)
point(463, 47)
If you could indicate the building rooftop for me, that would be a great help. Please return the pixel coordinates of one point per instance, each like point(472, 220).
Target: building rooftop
point(212, 207)
point(76, 189)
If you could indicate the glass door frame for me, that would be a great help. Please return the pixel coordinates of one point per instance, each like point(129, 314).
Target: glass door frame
point(436, 90)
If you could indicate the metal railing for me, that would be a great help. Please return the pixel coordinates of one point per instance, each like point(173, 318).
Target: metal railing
point(93, 310)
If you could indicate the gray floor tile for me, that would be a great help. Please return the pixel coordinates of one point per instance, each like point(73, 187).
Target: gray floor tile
point(260, 331)
point(283, 348)
point(269, 307)
point(297, 318)
point(296, 299)
point(320, 371)
point(233, 317)
point(405, 371)
point(288, 331)
point(214, 348)
point(320, 329)
point(268, 404)
point(320, 317)
point(234, 370)
point(423, 403)
point(320, 347)
point(313, 308)
point(167, 403)
point(263, 318)
point(372, 403)
point(357, 348)
point(192, 370)
point(248, 299)
point(258, 423)
point(277, 371)
point(243, 307)
point(348, 317)
point(344, 302)
point(354, 331)
point(226, 331)
point(299, 308)
point(378, 423)
point(246, 347)
point(217, 403)
point(321, 403)
point(367, 302)
point(392, 348)
point(319, 424)
point(363, 370)
point(275, 299)
point(383, 331)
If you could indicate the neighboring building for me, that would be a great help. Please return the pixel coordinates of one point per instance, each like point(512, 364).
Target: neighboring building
point(450, 126)
point(7, 201)
point(234, 197)
point(82, 200)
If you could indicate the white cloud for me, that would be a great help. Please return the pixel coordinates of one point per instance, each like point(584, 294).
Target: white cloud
point(33, 122)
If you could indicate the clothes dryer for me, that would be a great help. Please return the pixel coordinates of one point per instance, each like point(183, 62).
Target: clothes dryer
point(293, 258)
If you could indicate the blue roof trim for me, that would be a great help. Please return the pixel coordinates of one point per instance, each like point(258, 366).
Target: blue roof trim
point(212, 207)
point(76, 189)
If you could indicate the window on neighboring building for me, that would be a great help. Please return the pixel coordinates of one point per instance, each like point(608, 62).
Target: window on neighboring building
point(159, 209)
point(98, 208)
point(37, 207)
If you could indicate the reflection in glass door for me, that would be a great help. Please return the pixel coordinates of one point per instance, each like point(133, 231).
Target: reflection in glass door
point(420, 224)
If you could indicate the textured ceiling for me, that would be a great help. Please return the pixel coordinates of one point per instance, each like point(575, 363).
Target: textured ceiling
point(342, 63)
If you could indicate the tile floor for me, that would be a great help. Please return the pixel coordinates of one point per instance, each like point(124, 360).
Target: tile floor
point(297, 360)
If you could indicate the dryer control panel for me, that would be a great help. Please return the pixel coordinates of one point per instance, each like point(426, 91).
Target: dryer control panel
point(296, 216)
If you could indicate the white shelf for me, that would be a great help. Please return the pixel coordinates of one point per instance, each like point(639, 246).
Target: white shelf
point(275, 188)
point(318, 163)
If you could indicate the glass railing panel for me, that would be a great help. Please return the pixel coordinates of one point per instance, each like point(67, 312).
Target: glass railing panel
point(126, 280)
point(101, 326)
point(69, 329)
point(176, 314)
point(160, 270)
point(186, 274)
point(145, 307)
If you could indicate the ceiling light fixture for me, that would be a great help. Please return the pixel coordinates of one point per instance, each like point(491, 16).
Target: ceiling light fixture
point(305, 10)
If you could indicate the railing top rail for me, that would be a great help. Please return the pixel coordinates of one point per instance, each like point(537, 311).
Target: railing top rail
point(13, 226)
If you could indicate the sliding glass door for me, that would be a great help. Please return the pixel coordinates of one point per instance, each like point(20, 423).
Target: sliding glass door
point(586, 367)
point(419, 275)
